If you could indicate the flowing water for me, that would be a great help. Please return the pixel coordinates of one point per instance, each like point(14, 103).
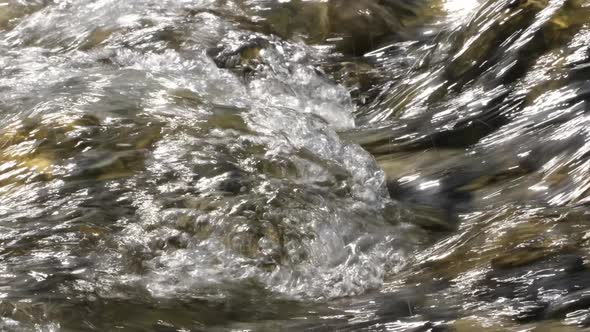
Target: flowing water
point(266, 165)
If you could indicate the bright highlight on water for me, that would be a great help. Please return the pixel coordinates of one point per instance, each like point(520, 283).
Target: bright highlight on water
point(262, 165)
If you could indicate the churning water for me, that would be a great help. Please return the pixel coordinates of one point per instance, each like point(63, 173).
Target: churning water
point(262, 165)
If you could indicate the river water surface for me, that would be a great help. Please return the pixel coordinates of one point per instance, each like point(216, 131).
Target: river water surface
point(265, 165)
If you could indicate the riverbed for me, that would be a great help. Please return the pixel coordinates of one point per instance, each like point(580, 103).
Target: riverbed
point(261, 165)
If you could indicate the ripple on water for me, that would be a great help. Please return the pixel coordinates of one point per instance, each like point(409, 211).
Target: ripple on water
point(192, 164)
point(136, 170)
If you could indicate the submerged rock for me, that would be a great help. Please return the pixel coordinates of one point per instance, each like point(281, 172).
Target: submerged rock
point(353, 27)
